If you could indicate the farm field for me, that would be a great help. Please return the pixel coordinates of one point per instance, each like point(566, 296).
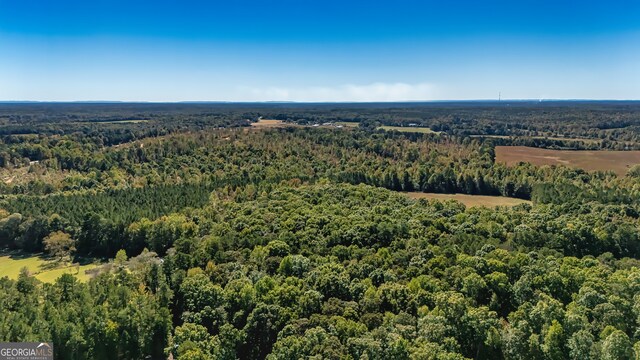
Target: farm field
point(43, 269)
point(424, 130)
point(602, 160)
point(471, 200)
point(586, 140)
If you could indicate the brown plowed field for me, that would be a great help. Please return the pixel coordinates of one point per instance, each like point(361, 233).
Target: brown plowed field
point(617, 161)
point(470, 200)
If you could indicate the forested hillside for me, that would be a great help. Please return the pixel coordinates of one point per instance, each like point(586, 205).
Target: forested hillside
point(224, 241)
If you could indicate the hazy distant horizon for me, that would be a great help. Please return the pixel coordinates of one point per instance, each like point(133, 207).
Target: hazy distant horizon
point(319, 102)
point(333, 51)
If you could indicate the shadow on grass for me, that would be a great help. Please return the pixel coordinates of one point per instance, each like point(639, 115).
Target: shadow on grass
point(47, 262)
point(51, 265)
point(20, 255)
point(83, 261)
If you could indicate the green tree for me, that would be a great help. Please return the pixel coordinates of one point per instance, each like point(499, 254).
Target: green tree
point(262, 328)
point(617, 346)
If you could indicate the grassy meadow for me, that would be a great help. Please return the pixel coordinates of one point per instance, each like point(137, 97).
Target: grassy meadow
point(44, 269)
point(410, 129)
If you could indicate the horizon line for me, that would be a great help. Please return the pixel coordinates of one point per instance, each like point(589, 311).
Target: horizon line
point(305, 102)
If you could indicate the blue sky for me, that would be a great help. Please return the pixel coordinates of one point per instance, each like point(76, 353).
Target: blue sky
point(327, 50)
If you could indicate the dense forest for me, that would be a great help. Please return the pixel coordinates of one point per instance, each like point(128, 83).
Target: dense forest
point(222, 240)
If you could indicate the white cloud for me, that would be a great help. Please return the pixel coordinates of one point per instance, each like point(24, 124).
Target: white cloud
point(343, 93)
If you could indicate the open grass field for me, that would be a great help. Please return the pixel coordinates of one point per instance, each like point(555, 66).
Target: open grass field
point(347, 124)
point(133, 121)
point(266, 123)
point(602, 160)
point(412, 129)
point(35, 172)
point(42, 268)
point(470, 200)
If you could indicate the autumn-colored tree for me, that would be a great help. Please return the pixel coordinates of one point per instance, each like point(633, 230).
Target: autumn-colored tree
point(59, 245)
